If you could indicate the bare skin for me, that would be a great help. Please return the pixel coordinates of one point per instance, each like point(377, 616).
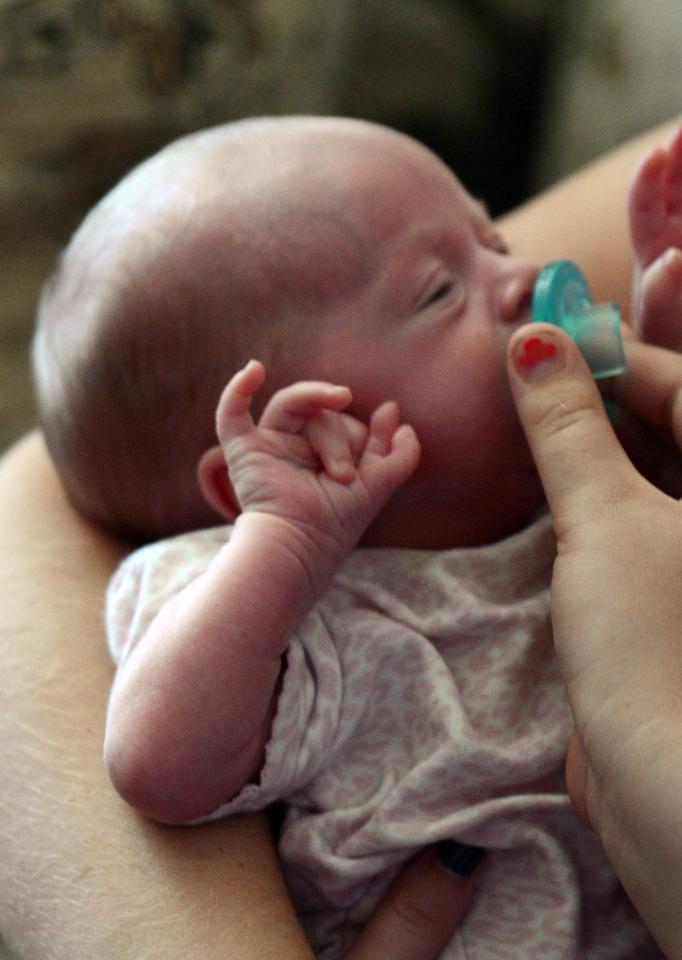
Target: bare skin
point(54, 655)
point(616, 612)
point(87, 877)
point(297, 523)
point(305, 483)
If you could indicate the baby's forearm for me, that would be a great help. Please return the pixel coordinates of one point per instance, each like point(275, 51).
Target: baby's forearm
point(190, 711)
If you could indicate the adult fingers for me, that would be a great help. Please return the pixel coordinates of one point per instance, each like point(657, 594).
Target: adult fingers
point(651, 387)
point(658, 312)
point(423, 907)
point(646, 212)
point(581, 464)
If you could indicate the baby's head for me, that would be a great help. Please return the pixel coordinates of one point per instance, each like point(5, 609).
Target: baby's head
point(329, 249)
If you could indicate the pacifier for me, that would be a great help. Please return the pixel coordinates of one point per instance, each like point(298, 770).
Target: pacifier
point(562, 297)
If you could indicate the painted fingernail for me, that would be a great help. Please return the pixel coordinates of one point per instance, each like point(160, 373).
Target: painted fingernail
point(459, 858)
point(538, 355)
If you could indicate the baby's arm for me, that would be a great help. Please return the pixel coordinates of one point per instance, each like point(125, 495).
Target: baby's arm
point(190, 712)
point(655, 215)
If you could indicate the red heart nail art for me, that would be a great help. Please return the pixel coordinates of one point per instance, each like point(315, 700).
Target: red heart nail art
point(535, 351)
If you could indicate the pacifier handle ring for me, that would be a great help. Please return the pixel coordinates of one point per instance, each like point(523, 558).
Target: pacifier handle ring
point(561, 296)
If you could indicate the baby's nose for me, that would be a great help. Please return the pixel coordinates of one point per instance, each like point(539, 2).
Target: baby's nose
point(515, 294)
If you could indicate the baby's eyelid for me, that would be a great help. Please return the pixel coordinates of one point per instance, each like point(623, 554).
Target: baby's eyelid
point(440, 286)
point(435, 288)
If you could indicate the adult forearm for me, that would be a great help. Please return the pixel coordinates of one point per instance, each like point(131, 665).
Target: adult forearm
point(81, 875)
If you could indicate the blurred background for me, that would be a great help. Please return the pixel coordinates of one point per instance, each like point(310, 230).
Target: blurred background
point(512, 94)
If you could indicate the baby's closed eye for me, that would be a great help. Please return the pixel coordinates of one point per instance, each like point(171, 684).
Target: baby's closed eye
point(443, 286)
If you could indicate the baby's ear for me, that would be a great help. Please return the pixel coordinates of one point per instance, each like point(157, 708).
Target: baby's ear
point(215, 483)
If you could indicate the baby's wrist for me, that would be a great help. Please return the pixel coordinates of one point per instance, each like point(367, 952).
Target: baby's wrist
point(290, 551)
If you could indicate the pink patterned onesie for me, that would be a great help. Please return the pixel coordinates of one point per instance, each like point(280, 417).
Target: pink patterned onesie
point(421, 700)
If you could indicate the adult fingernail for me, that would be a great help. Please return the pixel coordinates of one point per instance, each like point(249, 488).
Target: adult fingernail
point(538, 355)
point(459, 858)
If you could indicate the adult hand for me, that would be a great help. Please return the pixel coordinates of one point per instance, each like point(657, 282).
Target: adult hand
point(616, 606)
point(423, 906)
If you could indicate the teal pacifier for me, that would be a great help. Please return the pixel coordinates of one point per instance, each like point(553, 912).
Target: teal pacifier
point(561, 297)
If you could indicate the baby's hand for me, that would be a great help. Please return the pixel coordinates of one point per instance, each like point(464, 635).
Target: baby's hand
point(308, 462)
point(655, 214)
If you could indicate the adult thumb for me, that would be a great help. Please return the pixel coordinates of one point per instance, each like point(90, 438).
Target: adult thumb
point(581, 464)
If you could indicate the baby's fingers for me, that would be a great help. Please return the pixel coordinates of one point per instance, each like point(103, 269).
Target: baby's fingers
point(383, 425)
point(394, 445)
point(339, 445)
point(331, 442)
point(290, 409)
point(357, 435)
point(233, 414)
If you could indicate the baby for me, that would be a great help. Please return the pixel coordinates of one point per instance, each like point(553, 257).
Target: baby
point(396, 694)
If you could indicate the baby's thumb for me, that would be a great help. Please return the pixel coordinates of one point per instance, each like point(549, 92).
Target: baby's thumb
point(580, 462)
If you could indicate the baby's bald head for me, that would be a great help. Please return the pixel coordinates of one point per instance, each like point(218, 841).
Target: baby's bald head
point(228, 244)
